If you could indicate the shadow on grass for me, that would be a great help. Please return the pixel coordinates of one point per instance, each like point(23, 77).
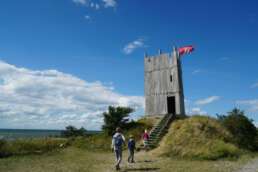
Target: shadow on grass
point(146, 161)
point(141, 169)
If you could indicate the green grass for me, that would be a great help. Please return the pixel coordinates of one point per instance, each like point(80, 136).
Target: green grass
point(96, 142)
point(80, 160)
point(30, 146)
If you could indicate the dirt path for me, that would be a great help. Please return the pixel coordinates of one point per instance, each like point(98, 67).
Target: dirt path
point(152, 163)
point(252, 166)
point(144, 162)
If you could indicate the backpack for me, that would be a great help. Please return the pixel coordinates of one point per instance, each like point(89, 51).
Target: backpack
point(131, 144)
point(118, 141)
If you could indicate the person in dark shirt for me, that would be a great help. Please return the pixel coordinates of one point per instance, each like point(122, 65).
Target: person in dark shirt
point(131, 148)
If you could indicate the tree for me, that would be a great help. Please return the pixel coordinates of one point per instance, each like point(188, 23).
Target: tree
point(71, 131)
point(115, 117)
point(241, 127)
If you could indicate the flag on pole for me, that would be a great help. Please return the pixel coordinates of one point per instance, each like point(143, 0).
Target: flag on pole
point(185, 50)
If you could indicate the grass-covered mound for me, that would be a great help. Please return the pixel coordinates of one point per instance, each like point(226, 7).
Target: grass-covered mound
point(198, 137)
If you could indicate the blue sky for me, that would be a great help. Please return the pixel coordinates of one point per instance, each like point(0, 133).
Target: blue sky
point(76, 51)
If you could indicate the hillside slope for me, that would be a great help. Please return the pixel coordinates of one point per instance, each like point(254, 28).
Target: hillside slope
point(198, 137)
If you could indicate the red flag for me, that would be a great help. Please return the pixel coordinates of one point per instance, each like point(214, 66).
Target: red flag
point(185, 50)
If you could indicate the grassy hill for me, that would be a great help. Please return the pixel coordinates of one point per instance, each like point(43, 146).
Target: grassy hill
point(198, 137)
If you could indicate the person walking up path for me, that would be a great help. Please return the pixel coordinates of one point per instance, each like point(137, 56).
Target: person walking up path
point(131, 148)
point(118, 140)
point(145, 138)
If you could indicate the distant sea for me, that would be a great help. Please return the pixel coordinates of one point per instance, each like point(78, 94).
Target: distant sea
point(12, 134)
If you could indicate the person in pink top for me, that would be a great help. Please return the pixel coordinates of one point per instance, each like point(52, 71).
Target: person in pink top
point(145, 139)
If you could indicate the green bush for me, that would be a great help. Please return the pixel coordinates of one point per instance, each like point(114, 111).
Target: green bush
point(3, 150)
point(198, 137)
point(71, 131)
point(243, 130)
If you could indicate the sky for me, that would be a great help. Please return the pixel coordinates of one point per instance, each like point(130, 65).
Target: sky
point(64, 62)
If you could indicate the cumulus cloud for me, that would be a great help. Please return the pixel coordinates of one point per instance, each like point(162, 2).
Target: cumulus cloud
point(52, 99)
point(132, 46)
point(207, 100)
point(109, 3)
point(252, 104)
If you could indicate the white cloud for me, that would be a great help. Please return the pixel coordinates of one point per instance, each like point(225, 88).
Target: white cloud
point(207, 100)
point(196, 71)
point(81, 2)
point(186, 100)
point(256, 124)
point(132, 46)
point(255, 85)
point(252, 104)
point(52, 99)
point(94, 5)
point(109, 3)
point(196, 111)
point(97, 6)
point(87, 17)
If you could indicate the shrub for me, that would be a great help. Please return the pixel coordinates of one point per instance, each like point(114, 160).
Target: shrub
point(198, 137)
point(3, 151)
point(71, 131)
point(243, 130)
